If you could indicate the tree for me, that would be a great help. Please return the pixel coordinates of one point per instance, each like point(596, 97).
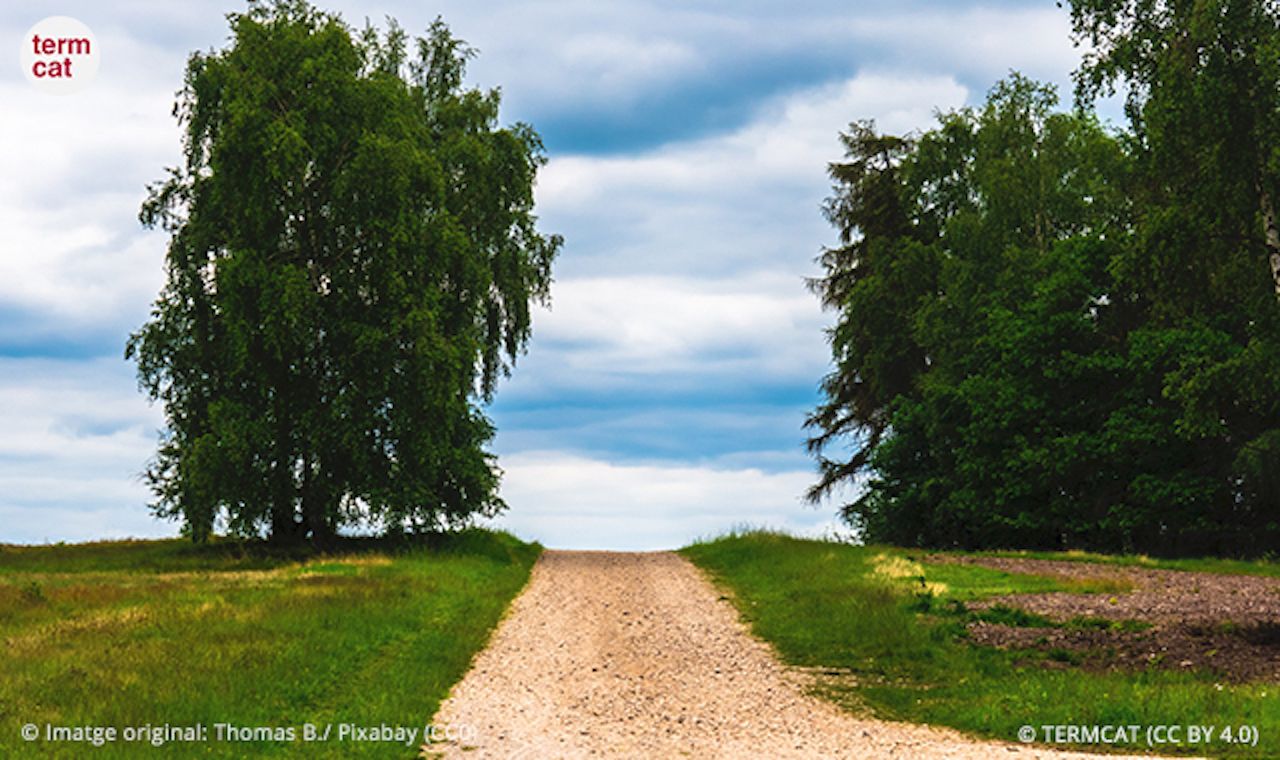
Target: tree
point(1052, 336)
point(352, 260)
point(873, 278)
point(994, 281)
point(1203, 79)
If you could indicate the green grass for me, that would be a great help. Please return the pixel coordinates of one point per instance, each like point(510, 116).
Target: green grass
point(824, 605)
point(966, 582)
point(128, 633)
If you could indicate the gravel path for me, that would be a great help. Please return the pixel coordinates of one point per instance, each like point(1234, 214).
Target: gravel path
point(637, 656)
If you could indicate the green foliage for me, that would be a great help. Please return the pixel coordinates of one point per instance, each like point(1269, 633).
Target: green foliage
point(1052, 336)
point(352, 262)
point(1204, 92)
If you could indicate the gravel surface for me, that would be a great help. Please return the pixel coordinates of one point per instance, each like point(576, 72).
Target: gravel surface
point(637, 656)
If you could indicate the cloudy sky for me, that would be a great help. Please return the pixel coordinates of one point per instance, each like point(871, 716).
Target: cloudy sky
point(663, 393)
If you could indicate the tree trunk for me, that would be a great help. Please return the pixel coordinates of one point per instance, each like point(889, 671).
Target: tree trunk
point(316, 503)
point(285, 527)
point(1271, 231)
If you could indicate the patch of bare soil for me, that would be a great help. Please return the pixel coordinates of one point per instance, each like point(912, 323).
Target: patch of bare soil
point(1225, 624)
point(637, 656)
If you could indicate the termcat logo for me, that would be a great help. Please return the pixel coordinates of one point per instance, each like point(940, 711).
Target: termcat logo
point(59, 55)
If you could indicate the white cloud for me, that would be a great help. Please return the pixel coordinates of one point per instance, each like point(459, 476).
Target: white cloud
point(979, 41)
point(51, 523)
point(685, 264)
point(73, 252)
point(799, 132)
point(76, 435)
point(614, 66)
point(574, 502)
point(739, 203)
point(536, 54)
point(646, 326)
point(572, 55)
point(789, 142)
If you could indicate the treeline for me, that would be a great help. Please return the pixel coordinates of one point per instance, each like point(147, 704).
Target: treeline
point(1051, 334)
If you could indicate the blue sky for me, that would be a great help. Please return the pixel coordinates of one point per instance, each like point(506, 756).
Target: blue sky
point(663, 393)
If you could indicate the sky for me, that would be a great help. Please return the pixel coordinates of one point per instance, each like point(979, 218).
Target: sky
point(663, 393)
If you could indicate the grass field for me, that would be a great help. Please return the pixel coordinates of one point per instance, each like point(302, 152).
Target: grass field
point(152, 632)
point(894, 646)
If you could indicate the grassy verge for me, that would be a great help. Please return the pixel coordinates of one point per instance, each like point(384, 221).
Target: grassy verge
point(126, 634)
point(899, 641)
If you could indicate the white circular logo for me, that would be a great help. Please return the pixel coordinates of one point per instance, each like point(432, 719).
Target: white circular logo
point(59, 55)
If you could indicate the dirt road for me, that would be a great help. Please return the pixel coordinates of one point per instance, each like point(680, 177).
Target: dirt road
point(637, 656)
